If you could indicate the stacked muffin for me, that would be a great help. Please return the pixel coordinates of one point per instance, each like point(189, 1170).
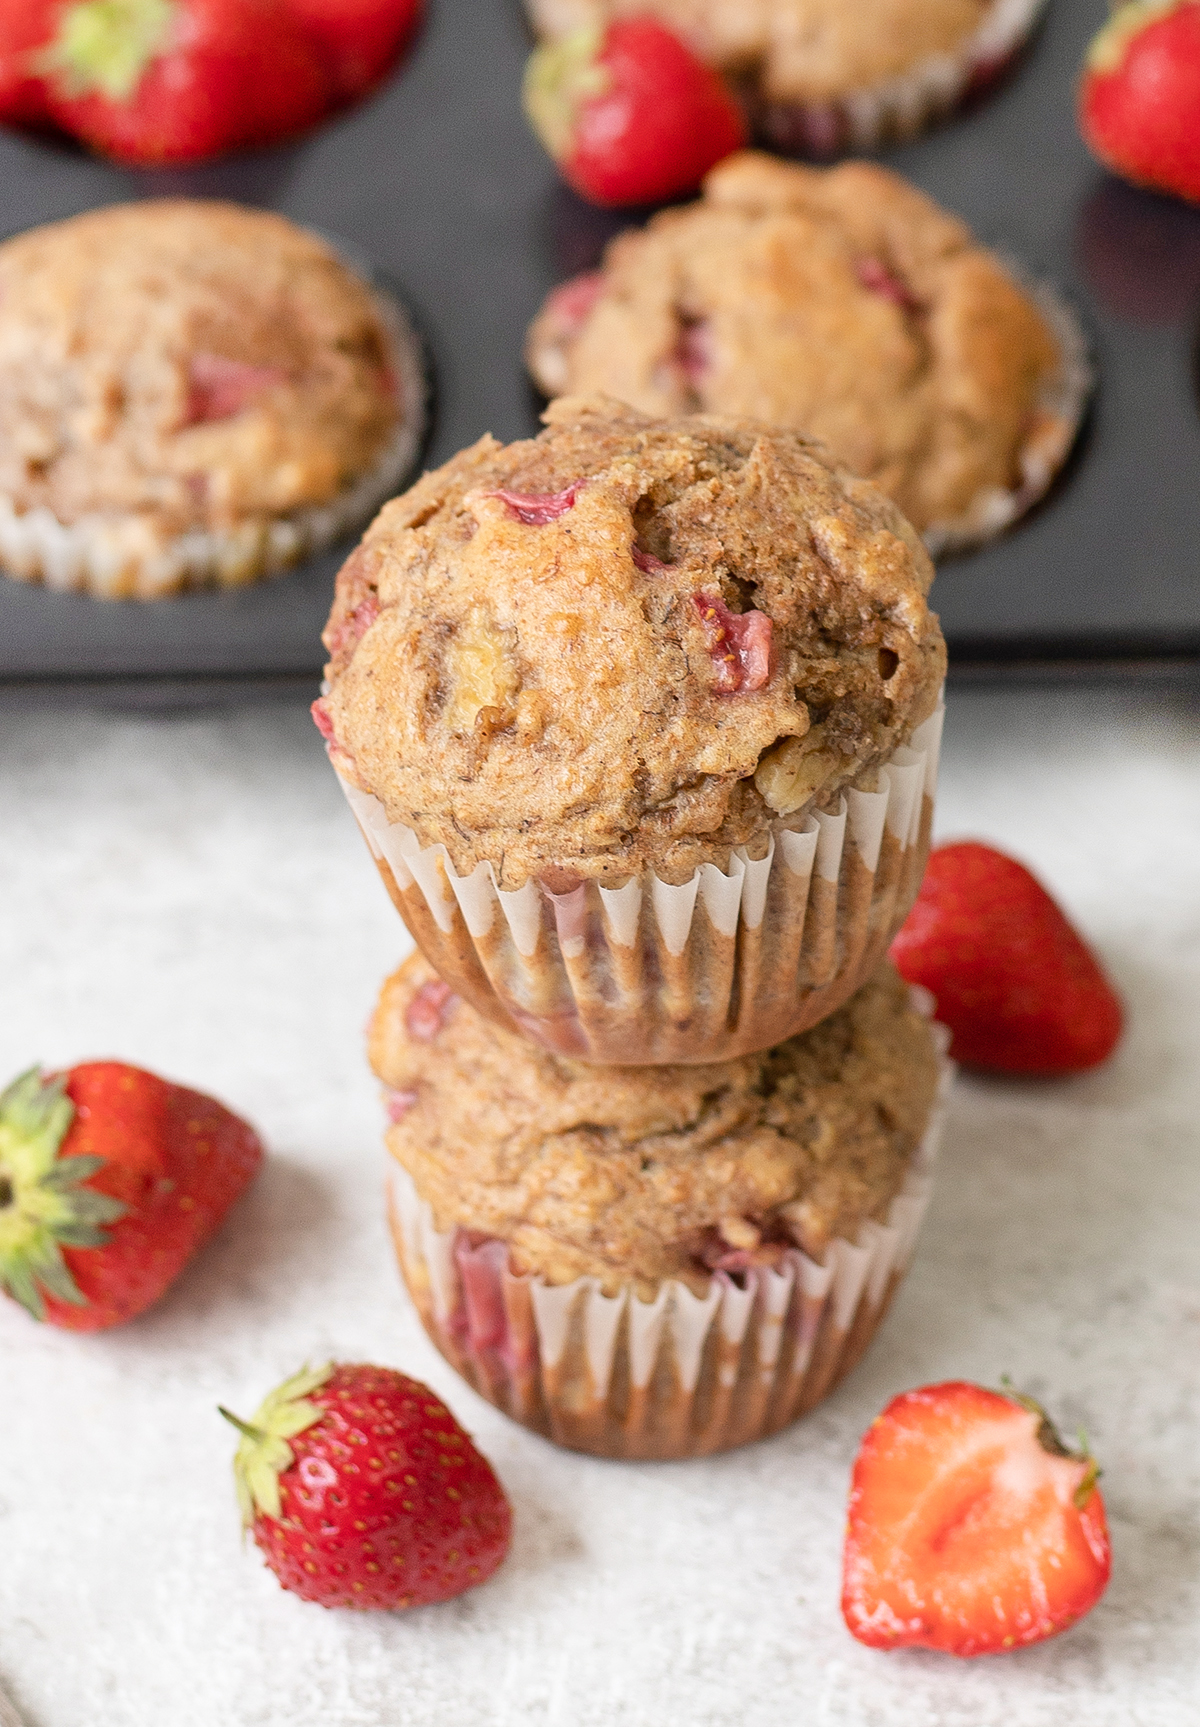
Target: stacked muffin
point(640, 721)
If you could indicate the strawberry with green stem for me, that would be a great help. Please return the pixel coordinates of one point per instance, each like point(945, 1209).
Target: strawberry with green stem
point(110, 1180)
point(362, 1490)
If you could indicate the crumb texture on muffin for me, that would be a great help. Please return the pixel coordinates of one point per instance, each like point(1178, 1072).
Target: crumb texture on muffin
point(187, 366)
point(809, 51)
point(841, 301)
point(627, 644)
point(629, 1174)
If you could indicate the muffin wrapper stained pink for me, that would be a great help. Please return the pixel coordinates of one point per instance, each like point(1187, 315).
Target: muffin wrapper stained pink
point(651, 974)
point(683, 1375)
point(908, 104)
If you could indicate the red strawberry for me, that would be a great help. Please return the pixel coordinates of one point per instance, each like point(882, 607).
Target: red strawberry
point(1139, 98)
point(178, 80)
point(629, 113)
point(23, 31)
point(363, 1491)
point(971, 1527)
point(110, 1179)
point(359, 40)
point(1013, 980)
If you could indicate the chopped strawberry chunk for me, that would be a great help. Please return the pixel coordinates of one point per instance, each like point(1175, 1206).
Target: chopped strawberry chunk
point(570, 304)
point(875, 276)
point(648, 563)
point(321, 719)
point(399, 1103)
point(740, 645)
point(535, 509)
point(428, 1009)
point(694, 351)
point(219, 387)
point(971, 1528)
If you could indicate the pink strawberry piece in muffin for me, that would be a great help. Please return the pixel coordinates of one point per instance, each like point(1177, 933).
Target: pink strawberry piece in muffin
point(874, 275)
point(740, 645)
point(428, 1009)
point(219, 388)
point(536, 509)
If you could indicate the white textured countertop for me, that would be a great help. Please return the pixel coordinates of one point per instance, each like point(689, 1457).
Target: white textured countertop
point(191, 894)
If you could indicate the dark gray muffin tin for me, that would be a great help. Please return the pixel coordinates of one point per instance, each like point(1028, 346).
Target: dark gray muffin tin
point(440, 183)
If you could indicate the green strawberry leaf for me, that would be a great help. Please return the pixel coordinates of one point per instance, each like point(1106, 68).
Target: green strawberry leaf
point(44, 1206)
point(263, 1451)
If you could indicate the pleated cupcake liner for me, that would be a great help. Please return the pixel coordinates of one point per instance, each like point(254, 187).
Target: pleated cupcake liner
point(116, 555)
point(682, 1375)
point(651, 974)
point(1058, 415)
point(906, 105)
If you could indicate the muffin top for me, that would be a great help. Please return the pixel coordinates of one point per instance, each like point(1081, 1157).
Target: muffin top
point(797, 51)
point(633, 1173)
point(626, 643)
point(841, 301)
point(196, 364)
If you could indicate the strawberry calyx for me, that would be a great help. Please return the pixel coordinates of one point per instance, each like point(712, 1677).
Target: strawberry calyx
point(44, 1205)
point(104, 47)
point(1108, 46)
point(263, 1452)
point(559, 78)
point(1051, 1440)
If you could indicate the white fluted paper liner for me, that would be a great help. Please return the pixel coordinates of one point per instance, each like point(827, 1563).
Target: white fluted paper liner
point(907, 104)
point(684, 1374)
point(651, 974)
point(123, 556)
point(1057, 417)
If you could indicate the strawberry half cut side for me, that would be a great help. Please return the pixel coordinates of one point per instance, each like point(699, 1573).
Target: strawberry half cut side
point(44, 1205)
point(972, 1528)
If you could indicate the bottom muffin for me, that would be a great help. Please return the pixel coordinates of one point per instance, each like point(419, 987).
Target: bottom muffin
point(656, 1263)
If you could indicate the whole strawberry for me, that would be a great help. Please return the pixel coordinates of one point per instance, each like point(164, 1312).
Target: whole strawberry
point(629, 113)
point(971, 1528)
point(1017, 986)
point(362, 1490)
point(110, 1180)
point(152, 81)
point(1139, 97)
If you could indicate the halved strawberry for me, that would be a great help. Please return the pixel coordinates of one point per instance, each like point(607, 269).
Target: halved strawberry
point(971, 1527)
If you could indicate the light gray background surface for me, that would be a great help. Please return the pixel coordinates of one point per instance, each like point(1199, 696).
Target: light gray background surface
point(190, 893)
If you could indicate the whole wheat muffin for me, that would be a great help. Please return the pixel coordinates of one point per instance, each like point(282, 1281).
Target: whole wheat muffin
point(821, 75)
point(633, 1175)
point(191, 392)
point(656, 1264)
point(845, 303)
point(626, 644)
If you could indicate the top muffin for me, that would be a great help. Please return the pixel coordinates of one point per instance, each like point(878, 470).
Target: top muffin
point(841, 301)
point(626, 644)
point(187, 365)
point(797, 51)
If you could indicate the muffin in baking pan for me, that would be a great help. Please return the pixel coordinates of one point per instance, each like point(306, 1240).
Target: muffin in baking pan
point(845, 303)
point(822, 76)
point(192, 393)
point(655, 1263)
point(640, 720)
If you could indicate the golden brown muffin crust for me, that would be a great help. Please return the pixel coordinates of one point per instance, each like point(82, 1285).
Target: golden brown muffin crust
point(553, 696)
point(644, 1174)
point(192, 363)
point(801, 51)
point(840, 301)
